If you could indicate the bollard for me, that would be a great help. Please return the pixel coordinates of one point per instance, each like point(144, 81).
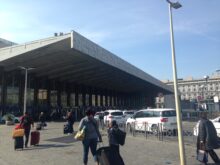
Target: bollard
point(133, 129)
point(145, 129)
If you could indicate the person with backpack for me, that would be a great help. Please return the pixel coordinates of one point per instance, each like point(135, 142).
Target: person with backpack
point(26, 122)
point(115, 138)
point(113, 142)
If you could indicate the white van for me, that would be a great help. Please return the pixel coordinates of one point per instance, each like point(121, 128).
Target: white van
point(153, 120)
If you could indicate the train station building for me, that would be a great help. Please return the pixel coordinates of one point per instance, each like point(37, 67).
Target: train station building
point(70, 71)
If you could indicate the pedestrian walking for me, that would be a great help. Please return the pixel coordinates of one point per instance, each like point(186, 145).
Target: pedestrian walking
point(101, 120)
point(113, 142)
point(92, 135)
point(207, 139)
point(42, 119)
point(70, 121)
point(26, 122)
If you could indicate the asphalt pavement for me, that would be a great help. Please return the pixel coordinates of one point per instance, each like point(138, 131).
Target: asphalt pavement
point(55, 148)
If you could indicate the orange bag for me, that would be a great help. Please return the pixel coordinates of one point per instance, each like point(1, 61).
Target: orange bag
point(18, 133)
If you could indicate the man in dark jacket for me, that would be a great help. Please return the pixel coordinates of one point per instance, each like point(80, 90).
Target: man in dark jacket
point(207, 137)
point(26, 122)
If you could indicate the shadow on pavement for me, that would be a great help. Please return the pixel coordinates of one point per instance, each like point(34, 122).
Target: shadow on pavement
point(45, 146)
point(64, 139)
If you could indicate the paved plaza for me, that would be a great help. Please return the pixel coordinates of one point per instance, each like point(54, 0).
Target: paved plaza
point(58, 149)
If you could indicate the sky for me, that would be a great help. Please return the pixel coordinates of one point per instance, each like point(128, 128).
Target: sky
point(137, 31)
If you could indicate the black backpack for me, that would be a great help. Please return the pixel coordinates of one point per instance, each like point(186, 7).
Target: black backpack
point(120, 136)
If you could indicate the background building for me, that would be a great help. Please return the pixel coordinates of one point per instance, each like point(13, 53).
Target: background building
point(198, 92)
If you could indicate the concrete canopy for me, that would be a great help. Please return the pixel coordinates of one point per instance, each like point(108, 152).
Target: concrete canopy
point(73, 58)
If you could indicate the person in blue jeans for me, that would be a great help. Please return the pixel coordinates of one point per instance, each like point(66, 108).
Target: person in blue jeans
point(92, 135)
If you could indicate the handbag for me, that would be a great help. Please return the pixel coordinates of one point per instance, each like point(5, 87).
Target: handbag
point(202, 156)
point(80, 134)
point(18, 133)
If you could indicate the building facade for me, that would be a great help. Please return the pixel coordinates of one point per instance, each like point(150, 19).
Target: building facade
point(70, 71)
point(198, 91)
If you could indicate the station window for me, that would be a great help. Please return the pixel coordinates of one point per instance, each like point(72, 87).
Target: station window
point(99, 100)
point(93, 100)
point(103, 101)
point(53, 98)
point(42, 96)
point(80, 99)
point(64, 99)
point(72, 99)
point(12, 89)
point(87, 99)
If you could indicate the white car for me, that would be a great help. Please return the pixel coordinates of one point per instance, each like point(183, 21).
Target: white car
point(153, 120)
point(98, 114)
point(127, 114)
point(116, 115)
point(216, 123)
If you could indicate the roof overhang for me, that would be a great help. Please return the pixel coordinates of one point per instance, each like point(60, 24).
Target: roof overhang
point(73, 58)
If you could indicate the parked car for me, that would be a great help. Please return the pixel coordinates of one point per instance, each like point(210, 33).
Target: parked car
point(98, 114)
point(116, 115)
point(152, 120)
point(216, 123)
point(14, 118)
point(127, 114)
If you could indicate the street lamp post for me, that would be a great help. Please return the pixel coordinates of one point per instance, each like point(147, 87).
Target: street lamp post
point(176, 5)
point(26, 69)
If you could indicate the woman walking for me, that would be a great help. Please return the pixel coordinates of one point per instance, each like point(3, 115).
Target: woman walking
point(92, 135)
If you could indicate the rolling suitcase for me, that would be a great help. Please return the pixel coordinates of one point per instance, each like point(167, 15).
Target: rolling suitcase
point(35, 137)
point(18, 142)
point(106, 156)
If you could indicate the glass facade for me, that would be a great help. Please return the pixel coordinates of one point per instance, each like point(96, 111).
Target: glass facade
point(53, 98)
point(37, 95)
point(99, 100)
point(80, 99)
point(72, 100)
point(87, 99)
point(93, 100)
point(42, 96)
point(64, 99)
